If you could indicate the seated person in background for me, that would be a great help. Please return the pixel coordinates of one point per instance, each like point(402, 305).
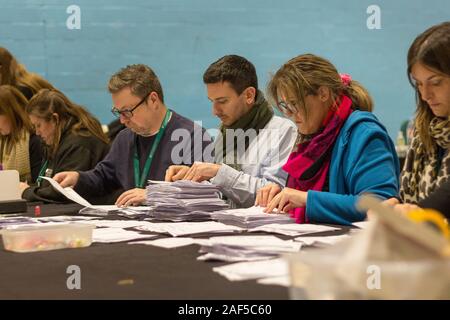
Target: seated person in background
point(427, 164)
point(240, 168)
point(149, 144)
point(74, 141)
point(343, 150)
point(20, 148)
point(15, 74)
point(439, 200)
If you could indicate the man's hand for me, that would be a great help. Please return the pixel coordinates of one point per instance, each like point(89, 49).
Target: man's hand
point(175, 173)
point(132, 197)
point(201, 171)
point(67, 178)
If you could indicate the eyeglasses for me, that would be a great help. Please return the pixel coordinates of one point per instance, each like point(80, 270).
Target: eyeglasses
point(127, 113)
point(286, 108)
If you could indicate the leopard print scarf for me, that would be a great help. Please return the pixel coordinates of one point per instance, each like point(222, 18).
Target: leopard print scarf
point(420, 176)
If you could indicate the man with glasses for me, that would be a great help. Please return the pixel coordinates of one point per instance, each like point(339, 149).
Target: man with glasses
point(144, 150)
point(253, 143)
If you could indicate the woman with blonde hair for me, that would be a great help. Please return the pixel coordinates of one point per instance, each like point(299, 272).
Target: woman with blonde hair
point(15, 74)
point(20, 148)
point(74, 140)
point(343, 151)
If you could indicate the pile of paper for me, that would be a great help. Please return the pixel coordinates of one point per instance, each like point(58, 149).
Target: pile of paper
point(180, 229)
point(250, 217)
point(183, 200)
point(109, 235)
point(246, 248)
point(321, 241)
point(254, 270)
point(8, 222)
point(293, 229)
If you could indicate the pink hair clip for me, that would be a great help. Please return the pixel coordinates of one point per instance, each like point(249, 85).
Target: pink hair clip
point(346, 79)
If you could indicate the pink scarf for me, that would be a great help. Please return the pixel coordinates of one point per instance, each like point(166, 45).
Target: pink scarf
point(308, 166)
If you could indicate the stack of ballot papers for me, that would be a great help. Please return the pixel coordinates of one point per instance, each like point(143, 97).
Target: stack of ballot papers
point(246, 248)
point(250, 217)
point(183, 200)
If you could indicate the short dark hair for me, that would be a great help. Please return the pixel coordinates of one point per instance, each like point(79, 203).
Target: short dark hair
point(236, 70)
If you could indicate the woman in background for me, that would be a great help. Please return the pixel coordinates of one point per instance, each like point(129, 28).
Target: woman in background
point(74, 140)
point(20, 148)
point(15, 74)
point(427, 164)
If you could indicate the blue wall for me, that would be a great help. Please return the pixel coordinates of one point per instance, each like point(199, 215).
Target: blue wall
point(180, 38)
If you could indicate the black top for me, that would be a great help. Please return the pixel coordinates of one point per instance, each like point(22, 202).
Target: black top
point(35, 149)
point(439, 200)
point(75, 152)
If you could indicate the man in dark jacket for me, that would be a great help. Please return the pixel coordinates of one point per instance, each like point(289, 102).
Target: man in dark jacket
point(147, 147)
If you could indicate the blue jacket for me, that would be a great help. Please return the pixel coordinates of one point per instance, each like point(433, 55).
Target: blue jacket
point(363, 160)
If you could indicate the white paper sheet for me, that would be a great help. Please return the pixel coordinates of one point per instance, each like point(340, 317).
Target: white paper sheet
point(68, 192)
point(110, 235)
point(177, 229)
point(169, 243)
point(254, 270)
point(293, 229)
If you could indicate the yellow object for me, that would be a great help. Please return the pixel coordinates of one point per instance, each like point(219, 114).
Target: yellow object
point(431, 216)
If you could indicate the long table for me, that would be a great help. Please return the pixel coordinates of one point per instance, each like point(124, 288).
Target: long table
point(122, 271)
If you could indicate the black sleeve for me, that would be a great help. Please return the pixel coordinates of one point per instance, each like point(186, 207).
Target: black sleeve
point(439, 200)
point(73, 158)
point(36, 156)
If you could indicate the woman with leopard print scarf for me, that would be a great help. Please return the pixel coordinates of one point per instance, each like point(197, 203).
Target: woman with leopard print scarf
point(427, 164)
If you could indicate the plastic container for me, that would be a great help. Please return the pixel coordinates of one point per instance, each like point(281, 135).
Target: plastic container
point(47, 237)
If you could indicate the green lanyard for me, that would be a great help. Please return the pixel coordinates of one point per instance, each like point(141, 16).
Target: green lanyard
point(139, 179)
point(42, 172)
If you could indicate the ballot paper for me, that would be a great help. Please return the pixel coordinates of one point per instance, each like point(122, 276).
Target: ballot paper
point(253, 270)
point(183, 200)
point(68, 192)
point(63, 219)
point(71, 194)
point(170, 243)
point(246, 248)
point(321, 241)
point(293, 229)
point(250, 217)
point(116, 223)
point(177, 229)
point(109, 235)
